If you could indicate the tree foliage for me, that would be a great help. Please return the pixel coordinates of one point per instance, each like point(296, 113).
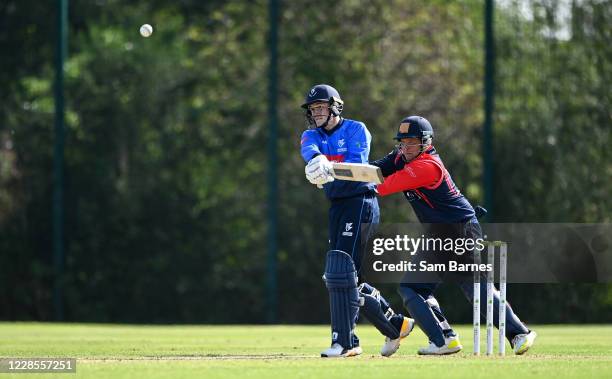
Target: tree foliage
point(166, 142)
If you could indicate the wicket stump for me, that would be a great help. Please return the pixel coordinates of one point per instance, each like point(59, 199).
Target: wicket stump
point(490, 278)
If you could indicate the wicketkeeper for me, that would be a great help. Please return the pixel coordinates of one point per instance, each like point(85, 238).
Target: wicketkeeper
point(415, 168)
point(353, 216)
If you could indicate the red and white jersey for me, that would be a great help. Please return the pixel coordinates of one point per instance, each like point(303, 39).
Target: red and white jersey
point(427, 185)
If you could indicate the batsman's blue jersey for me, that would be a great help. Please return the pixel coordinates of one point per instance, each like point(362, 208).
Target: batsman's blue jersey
point(349, 141)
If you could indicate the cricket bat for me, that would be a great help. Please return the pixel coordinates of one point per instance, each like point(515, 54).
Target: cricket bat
point(356, 172)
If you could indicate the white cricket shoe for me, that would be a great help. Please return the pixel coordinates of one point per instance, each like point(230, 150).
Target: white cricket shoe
point(522, 342)
point(451, 345)
point(337, 351)
point(391, 346)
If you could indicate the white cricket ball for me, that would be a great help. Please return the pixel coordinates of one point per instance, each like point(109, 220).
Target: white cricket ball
point(146, 30)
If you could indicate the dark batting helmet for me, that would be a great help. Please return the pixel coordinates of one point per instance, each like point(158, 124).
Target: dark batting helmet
point(323, 93)
point(415, 127)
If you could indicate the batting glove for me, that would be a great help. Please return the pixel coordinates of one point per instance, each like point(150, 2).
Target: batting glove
point(318, 170)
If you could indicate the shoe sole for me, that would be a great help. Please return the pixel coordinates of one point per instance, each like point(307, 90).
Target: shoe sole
point(445, 353)
point(407, 327)
point(404, 334)
point(353, 352)
point(526, 346)
point(349, 353)
point(455, 348)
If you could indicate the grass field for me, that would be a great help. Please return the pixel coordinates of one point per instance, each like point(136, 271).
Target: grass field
point(122, 351)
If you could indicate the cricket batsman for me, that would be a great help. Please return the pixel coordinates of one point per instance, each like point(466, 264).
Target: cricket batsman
point(353, 214)
point(415, 168)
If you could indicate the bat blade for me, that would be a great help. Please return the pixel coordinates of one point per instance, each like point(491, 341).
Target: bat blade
point(357, 172)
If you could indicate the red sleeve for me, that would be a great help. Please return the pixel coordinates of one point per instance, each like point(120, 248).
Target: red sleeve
point(416, 174)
